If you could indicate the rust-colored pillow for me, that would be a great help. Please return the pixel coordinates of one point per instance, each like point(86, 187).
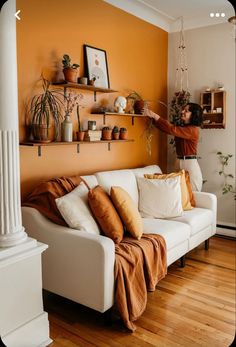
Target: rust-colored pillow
point(43, 196)
point(105, 214)
point(186, 191)
point(128, 211)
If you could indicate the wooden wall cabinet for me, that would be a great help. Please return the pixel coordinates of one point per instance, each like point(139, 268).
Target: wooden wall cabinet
point(213, 104)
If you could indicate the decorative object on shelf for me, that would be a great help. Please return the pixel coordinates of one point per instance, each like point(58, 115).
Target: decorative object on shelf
point(96, 66)
point(70, 70)
point(115, 133)
point(80, 132)
point(120, 104)
point(91, 125)
point(106, 133)
point(123, 134)
point(42, 109)
point(67, 129)
point(181, 96)
point(135, 103)
point(71, 100)
point(92, 81)
point(93, 135)
point(224, 160)
point(83, 80)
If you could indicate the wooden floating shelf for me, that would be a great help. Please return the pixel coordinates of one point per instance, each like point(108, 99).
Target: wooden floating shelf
point(85, 87)
point(104, 114)
point(78, 143)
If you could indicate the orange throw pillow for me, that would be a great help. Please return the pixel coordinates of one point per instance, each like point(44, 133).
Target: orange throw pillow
point(186, 191)
point(105, 214)
point(128, 211)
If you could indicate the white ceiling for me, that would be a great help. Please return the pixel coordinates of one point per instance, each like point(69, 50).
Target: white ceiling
point(166, 14)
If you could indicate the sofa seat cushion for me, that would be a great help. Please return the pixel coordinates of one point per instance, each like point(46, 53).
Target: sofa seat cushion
point(173, 232)
point(197, 218)
point(119, 178)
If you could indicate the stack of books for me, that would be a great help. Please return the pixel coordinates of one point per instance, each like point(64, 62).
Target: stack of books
point(93, 135)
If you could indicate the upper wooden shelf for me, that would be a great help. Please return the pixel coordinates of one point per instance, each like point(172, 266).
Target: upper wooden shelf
point(133, 115)
point(85, 87)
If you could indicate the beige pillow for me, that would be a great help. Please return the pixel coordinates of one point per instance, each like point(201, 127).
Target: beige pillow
point(75, 210)
point(128, 211)
point(160, 198)
point(105, 214)
point(185, 196)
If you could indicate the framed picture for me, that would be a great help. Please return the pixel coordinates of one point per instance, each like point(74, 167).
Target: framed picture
point(96, 66)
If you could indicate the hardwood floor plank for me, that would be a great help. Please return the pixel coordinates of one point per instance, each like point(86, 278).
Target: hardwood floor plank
point(191, 307)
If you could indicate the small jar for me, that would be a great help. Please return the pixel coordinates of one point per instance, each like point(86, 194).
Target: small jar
point(91, 125)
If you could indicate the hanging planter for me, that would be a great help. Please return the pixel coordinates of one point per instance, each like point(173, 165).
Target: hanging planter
point(179, 99)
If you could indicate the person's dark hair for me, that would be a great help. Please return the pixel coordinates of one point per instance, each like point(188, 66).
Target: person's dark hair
point(197, 114)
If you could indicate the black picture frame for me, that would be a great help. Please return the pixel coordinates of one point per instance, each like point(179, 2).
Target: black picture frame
point(96, 66)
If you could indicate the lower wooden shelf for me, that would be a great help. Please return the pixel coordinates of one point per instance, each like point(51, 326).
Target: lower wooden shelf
point(39, 145)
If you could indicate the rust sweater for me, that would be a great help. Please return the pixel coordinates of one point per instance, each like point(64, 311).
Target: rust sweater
point(186, 137)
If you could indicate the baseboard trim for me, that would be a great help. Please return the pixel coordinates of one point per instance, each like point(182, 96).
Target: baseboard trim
point(226, 226)
point(232, 238)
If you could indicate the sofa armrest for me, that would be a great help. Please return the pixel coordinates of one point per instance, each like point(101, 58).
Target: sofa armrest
point(77, 265)
point(207, 200)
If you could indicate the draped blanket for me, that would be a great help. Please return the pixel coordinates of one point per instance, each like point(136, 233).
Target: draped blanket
point(139, 265)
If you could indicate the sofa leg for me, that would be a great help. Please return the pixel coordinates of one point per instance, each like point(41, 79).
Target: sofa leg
point(107, 315)
point(207, 244)
point(182, 261)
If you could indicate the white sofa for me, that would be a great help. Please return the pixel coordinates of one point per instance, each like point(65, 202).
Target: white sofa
point(80, 265)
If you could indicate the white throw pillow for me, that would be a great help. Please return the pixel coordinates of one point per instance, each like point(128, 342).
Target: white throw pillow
point(160, 198)
point(75, 210)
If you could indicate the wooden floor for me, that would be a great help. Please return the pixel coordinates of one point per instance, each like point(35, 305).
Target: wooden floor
point(192, 306)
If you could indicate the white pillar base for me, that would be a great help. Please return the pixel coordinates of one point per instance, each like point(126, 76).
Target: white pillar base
point(8, 240)
point(23, 322)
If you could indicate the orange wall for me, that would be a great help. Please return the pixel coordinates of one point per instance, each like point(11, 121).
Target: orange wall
point(137, 60)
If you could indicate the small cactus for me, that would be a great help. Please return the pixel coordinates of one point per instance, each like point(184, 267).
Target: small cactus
point(115, 129)
point(123, 130)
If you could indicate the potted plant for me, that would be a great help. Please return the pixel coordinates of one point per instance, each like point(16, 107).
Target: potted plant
point(80, 132)
point(135, 102)
point(70, 70)
point(123, 134)
point(44, 108)
point(115, 133)
point(106, 133)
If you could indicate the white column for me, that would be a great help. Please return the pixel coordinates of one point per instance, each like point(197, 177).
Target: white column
point(11, 229)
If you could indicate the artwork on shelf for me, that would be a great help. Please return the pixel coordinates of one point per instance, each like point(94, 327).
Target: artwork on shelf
point(96, 66)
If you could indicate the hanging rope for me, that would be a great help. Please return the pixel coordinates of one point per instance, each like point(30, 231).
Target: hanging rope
point(181, 77)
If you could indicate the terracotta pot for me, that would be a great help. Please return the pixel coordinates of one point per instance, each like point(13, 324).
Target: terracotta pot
point(80, 135)
point(124, 135)
point(138, 106)
point(70, 74)
point(115, 136)
point(40, 133)
point(107, 134)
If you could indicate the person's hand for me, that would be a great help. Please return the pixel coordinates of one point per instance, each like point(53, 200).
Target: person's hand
point(148, 113)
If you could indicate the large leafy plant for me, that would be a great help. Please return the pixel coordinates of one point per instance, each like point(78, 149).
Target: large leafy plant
point(179, 100)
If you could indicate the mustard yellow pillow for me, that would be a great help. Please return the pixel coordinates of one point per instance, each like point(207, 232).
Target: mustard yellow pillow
point(185, 196)
point(128, 211)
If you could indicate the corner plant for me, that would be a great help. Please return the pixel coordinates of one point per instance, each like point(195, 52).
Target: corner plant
point(224, 160)
point(45, 107)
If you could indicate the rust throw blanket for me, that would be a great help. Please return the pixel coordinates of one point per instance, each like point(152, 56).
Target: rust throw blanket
point(139, 265)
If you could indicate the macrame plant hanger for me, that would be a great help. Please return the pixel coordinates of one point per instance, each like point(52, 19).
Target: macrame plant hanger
point(181, 95)
point(181, 77)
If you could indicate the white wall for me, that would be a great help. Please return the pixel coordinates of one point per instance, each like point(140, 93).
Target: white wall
point(210, 59)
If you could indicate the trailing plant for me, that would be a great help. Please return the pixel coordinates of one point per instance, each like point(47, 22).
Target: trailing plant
point(66, 62)
point(224, 160)
point(179, 100)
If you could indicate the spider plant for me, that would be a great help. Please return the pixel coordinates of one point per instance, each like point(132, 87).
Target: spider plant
point(43, 109)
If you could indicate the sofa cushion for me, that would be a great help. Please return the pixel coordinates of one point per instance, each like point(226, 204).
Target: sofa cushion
point(160, 198)
point(173, 232)
point(105, 214)
point(197, 219)
point(75, 210)
point(185, 195)
point(91, 180)
point(150, 169)
point(128, 211)
point(121, 178)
